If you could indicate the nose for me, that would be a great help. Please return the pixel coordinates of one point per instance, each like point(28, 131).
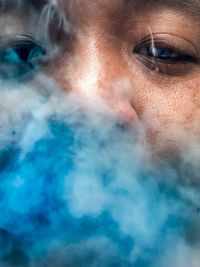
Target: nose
point(96, 70)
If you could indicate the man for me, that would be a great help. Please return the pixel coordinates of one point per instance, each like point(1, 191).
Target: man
point(142, 59)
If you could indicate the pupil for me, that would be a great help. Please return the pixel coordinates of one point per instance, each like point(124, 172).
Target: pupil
point(23, 51)
point(28, 52)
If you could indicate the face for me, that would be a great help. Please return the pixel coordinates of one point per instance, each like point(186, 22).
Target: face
point(141, 57)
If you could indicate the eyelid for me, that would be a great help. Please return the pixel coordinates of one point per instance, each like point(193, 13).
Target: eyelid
point(164, 68)
point(172, 41)
point(182, 56)
point(10, 40)
point(20, 55)
point(185, 62)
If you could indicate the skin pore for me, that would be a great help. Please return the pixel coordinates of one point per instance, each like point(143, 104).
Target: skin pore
point(141, 57)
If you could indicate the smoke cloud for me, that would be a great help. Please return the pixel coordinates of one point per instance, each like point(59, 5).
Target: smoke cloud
point(77, 188)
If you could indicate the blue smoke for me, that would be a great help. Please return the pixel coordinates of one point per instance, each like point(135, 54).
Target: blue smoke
point(75, 188)
point(80, 196)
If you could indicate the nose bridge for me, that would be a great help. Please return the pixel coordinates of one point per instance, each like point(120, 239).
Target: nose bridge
point(99, 66)
point(89, 67)
point(99, 70)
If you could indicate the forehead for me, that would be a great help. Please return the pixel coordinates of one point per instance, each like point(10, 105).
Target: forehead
point(189, 7)
point(83, 12)
point(175, 4)
point(122, 10)
point(179, 4)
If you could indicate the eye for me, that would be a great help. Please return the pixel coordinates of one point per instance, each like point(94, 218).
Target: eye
point(18, 57)
point(163, 53)
point(163, 58)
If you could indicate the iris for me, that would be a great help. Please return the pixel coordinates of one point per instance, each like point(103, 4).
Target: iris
point(19, 58)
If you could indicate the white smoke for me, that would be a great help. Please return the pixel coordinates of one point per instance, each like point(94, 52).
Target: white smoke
point(78, 187)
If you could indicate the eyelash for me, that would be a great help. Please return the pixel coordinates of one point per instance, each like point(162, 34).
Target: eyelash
point(163, 53)
point(18, 57)
point(163, 58)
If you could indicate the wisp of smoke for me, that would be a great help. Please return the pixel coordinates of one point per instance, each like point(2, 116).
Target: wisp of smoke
point(75, 189)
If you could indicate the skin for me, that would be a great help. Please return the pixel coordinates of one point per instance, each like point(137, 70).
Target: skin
point(165, 97)
point(97, 58)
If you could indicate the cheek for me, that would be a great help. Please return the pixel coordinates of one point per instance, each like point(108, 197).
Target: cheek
point(170, 117)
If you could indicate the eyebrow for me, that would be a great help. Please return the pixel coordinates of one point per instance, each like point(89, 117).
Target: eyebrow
point(186, 7)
